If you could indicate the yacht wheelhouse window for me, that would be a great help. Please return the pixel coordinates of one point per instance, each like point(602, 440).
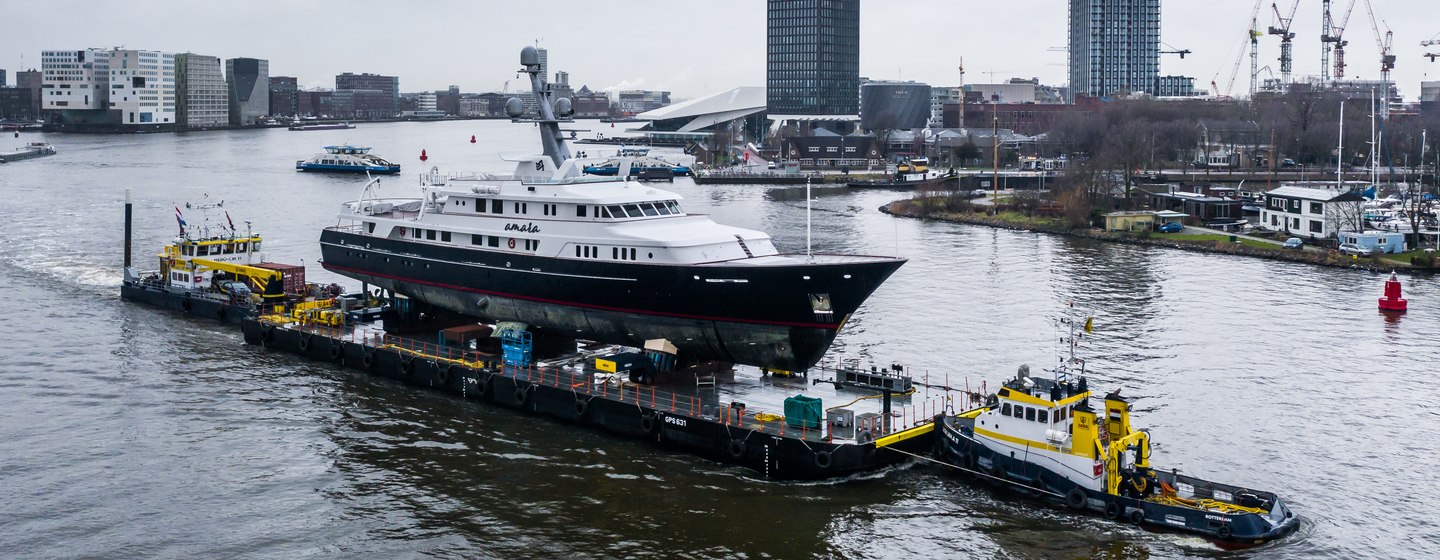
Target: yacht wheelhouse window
point(649, 209)
point(674, 206)
point(614, 212)
point(633, 210)
point(445, 236)
point(580, 211)
point(663, 208)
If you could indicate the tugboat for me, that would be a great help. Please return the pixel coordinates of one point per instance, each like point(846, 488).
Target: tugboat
point(1045, 438)
point(603, 258)
point(349, 159)
point(213, 272)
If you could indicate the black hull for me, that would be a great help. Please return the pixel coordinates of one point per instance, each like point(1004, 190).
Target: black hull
point(201, 307)
point(758, 315)
point(957, 448)
point(778, 457)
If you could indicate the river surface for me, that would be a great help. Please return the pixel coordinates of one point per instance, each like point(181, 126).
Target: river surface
point(128, 432)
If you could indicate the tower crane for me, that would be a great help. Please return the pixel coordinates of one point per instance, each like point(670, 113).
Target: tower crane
point(1429, 42)
point(1326, 23)
point(1334, 36)
point(1387, 58)
point(1283, 32)
point(1173, 50)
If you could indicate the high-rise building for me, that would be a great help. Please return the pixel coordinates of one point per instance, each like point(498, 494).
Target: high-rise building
point(200, 94)
point(813, 57)
point(75, 80)
point(1114, 46)
point(284, 96)
point(248, 83)
point(3, 83)
point(142, 87)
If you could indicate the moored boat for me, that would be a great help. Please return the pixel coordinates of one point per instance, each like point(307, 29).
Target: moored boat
point(348, 159)
point(325, 126)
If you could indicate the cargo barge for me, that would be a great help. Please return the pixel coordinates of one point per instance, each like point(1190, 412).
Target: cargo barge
point(727, 415)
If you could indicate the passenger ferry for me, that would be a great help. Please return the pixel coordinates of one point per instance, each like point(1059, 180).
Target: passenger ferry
point(601, 258)
point(640, 162)
point(1047, 438)
point(347, 158)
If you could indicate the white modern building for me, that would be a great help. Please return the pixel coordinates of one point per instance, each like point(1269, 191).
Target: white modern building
point(200, 91)
point(142, 86)
point(1313, 212)
point(74, 80)
point(939, 96)
point(426, 101)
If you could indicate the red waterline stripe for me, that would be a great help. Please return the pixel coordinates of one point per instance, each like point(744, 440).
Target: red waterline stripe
point(329, 266)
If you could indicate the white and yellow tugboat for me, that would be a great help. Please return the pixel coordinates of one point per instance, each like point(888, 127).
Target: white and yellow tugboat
point(1049, 438)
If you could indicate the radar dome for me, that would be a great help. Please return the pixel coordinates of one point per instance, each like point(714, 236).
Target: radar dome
point(563, 107)
point(529, 57)
point(514, 107)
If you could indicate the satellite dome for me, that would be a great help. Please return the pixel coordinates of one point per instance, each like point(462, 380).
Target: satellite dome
point(563, 108)
point(529, 57)
point(514, 107)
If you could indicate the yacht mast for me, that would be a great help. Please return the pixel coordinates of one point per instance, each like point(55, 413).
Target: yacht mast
point(550, 140)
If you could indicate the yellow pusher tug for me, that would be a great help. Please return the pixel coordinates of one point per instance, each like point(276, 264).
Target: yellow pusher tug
point(1046, 438)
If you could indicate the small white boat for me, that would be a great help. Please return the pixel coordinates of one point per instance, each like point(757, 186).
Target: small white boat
point(28, 151)
point(349, 159)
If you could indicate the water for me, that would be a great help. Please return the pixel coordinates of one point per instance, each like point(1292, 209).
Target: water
point(130, 432)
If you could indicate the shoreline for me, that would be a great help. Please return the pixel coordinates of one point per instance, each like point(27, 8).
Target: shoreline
point(896, 209)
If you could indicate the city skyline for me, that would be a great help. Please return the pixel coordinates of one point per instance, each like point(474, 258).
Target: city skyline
point(672, 56)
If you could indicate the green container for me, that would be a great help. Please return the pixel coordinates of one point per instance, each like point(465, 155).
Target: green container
point(803, 412)
point(1233, 239)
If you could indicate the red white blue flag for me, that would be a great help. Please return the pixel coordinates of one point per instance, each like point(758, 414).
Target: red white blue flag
point(180, 218)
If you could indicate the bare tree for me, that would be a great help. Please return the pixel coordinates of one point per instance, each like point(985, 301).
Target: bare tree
point(1126, 148)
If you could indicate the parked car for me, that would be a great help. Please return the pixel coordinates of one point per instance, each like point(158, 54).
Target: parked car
point(1287, 162)
point(1170, 227)
point(1353, 249)
point(1294, 243)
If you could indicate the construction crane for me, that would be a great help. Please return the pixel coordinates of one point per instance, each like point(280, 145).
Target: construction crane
point(1429, 42)
point(1334, 36)
point(1387, 59)
point(1283, 32)
point(1181, 52)
point(1325, 24)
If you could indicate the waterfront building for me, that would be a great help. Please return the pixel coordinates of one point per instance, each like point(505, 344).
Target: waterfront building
point(448, 101)
point(1028, 119)
point(1114, 47)
point(284, 96)
point(248, 81)
point(739, 112)
point(75, 80)
point(590, 104)
point(1319, 213)
point(813, 57)
point(200, 94)
point(315, 103)
point(3, 83)
point(15, 104)
point(1014, 91)
point(142, 87)
point(1203, 207)
point(425, 102)
point(1176, 86)
point(372, 96)
point(32, 80)
point(634, 102)
point(474, 106)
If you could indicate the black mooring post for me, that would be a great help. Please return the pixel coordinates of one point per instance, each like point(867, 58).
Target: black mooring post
point(127, 228)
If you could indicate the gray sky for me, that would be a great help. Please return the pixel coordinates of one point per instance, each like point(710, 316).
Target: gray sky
point(689, 47)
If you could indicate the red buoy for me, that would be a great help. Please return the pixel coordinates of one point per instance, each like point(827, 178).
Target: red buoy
point(423, 157)
point(1392, 302)
point(472, 138)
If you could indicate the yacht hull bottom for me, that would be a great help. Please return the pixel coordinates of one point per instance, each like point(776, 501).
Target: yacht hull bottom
point(774, 346)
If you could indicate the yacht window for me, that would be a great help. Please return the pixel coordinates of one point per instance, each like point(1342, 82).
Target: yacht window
point(577, 251)
point(497, 207)
point(649, 209)
point(632, 253)
point(477, 240)
point(492, 241)
point(633, 210)
point(415, 232)
point(614, 212)
point(614, 253)
point(663, 208)
point(1044, 417)
point(674, 207)
point(369, 228)
point(1030, 414)
point(445, 236)
point(1005, 409)
point(479, 207)
point(430, 234)
point(580, 211)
